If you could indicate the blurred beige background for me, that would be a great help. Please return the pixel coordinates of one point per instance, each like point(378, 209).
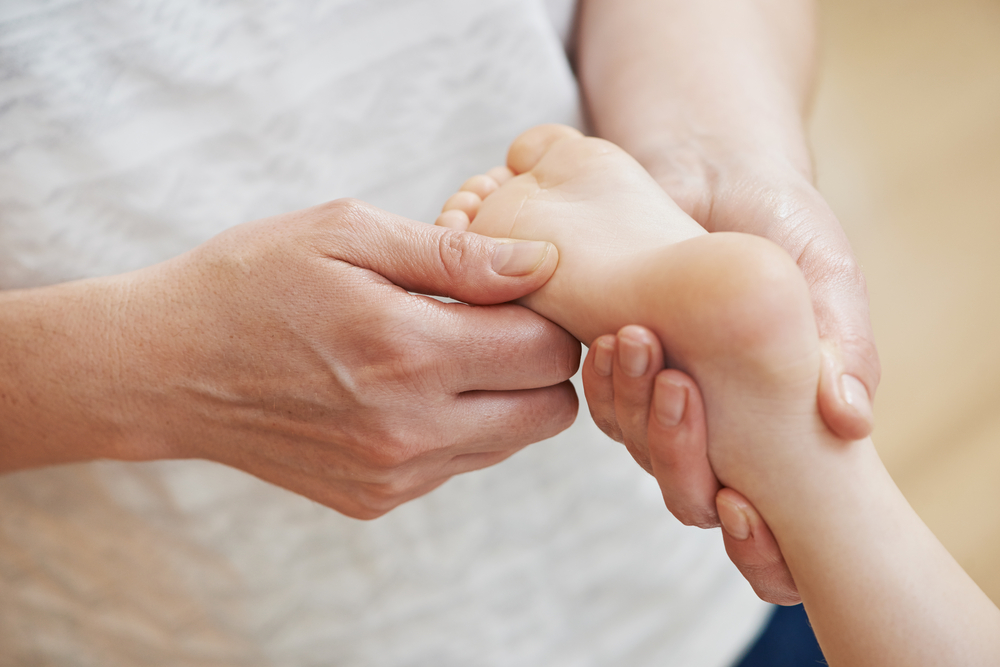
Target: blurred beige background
point(906, 131)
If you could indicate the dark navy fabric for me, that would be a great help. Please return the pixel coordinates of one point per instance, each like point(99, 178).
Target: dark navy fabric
point(786, 641)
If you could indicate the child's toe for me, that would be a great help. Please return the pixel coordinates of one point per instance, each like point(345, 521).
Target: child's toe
point(481, 185)
point(529, 148)
point(467, 202)
point(500, 174)
point(453, 219)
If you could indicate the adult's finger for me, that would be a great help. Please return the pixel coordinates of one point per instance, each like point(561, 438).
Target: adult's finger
point(501, 347)
point(678, 448)
point(851, 369)
point(752, 548)
point(488, 421)
point(660, 417)
point(598, 385)
point(638, 358)
point(432, 259)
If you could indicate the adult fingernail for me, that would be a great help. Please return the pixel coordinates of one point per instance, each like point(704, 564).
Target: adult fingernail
point(856, 395)
point(733, 519)
point(633, 357)
point(604, 350)
point(519, 258)
point(669, 403)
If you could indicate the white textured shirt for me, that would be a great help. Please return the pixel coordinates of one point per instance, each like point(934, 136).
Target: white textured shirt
point(133, 130)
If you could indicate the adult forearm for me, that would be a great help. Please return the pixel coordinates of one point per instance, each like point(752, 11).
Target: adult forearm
point(674, 81)
point(288, 348)
point(57, 386)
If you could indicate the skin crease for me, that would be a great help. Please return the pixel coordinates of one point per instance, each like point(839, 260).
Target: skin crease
point(711, 97)
point(236, 353)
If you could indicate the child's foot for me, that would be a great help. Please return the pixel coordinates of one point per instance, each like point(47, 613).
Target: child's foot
point(732, 310)
point(587, 196)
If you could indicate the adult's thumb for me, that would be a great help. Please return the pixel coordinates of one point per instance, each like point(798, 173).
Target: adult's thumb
point(436, 260)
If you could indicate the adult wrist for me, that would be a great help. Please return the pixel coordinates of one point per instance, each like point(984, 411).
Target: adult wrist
point(61, 400)
point(696, 169)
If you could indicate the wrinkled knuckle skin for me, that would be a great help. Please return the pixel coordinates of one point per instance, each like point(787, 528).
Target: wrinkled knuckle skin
point(387, 495)
point(697, 517)
point(372, 500)
point(388, 452)
point(866, 359)
point(347, 210)
point(456, 251)
point(639, 456)
point(609, 427)
point(346, 219)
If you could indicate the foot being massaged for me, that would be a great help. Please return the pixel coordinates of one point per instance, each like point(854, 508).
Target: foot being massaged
point(733, 312)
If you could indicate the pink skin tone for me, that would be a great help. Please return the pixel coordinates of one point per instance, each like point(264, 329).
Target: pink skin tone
point(711, 98)
point(621, 409)
point(733, 312)
point(288, 348)
point(659, 415)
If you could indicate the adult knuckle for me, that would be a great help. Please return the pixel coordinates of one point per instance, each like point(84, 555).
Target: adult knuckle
point(609, 427)
point(457, 252)
point(640, 455)
point(347, 209)
point(699, 517)
point(390, 449)
point(347, 219)
point(386, 457)
point(384, 496)
point(350, 502)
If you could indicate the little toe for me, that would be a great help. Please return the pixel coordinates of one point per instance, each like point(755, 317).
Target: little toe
point(454, 219)
point(481, 185)
point(529, 148)
point(500, 174)
point(467, 202)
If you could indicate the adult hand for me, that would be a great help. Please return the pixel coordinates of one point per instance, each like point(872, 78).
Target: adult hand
point(659, 415)
point(293, 348)
point(710, 97)
point(778, 202)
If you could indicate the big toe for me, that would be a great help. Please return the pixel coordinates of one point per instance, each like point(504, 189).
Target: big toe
point(528, 149)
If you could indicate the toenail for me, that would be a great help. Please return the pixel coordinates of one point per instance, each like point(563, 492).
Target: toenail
point(669, 403)
point(604, 355)
point(633, 357)
point(519, 258)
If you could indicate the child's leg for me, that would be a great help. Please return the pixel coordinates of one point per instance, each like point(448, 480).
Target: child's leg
point(734, 312)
